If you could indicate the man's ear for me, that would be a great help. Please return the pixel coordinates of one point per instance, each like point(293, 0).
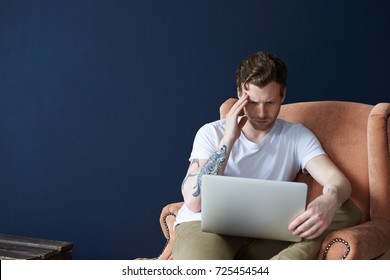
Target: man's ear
point(239, 92)
point(283, 95)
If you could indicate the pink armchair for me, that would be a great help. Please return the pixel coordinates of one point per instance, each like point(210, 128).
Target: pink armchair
point(356, 137)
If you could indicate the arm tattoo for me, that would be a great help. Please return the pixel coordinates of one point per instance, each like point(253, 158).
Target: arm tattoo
point(211, 167)
point(194, 161)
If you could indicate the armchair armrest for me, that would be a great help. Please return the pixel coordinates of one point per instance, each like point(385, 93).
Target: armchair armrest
point(167, 219)
point(366, 241)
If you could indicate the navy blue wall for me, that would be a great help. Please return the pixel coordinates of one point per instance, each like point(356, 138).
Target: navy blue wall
point(100, 100)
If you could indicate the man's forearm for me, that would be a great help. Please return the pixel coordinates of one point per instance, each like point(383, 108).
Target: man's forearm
point(191, 190)
point(212, 167)
point(340, 188)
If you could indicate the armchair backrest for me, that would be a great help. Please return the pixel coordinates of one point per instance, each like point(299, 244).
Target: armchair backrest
point(341, 127)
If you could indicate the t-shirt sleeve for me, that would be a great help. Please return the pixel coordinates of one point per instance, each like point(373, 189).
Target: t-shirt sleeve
point(308, 147)
point(205, 142)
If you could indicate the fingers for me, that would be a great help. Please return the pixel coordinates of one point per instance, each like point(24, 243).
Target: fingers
point(238, 106)
point(309, 232)
point(299, 220)
point(242, 122)
point(313, 232)
point(307, 226)
point(233, 125)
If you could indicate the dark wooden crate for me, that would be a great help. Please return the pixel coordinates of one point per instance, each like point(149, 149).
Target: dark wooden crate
point(27, 248)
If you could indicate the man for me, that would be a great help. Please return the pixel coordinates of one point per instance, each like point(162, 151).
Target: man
point(258, 145)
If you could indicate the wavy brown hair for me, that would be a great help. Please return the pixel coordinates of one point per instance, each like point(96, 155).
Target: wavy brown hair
point(260, 69)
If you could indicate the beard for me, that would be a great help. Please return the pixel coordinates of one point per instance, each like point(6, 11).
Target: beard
point(262, 124)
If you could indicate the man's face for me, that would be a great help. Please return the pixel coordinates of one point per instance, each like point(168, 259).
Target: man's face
point(263, 105)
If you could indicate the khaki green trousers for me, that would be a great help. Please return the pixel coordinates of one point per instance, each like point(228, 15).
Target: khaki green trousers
point(193, 244)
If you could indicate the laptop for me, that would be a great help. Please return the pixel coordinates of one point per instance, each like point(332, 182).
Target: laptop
point(251, 207)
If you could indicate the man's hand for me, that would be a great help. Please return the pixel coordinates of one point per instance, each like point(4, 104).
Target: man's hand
point(317, 217)
point(233, 126)
point(320, 212)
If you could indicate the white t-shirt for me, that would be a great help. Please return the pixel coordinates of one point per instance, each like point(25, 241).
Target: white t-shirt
point(284, 151)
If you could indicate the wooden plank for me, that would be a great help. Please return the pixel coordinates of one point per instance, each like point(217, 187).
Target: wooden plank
point(9, 255)
point(25, 252)
point(36, 242)
point(21, 247)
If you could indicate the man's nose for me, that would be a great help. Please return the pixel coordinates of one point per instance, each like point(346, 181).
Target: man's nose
point(262, 110)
